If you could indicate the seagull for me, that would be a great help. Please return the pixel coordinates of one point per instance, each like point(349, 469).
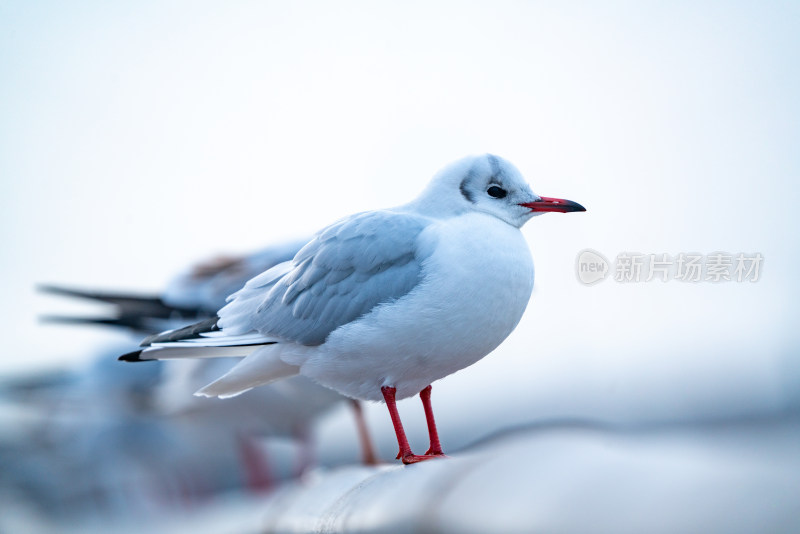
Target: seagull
point(194, 294)
point(381, 304)
point(287, 409)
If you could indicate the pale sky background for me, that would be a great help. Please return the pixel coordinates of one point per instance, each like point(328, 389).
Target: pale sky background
point(137, 138)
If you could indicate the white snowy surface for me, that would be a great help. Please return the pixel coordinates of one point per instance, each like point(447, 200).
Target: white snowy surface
point(228, 514)
point(718, 477)
point(723, 475)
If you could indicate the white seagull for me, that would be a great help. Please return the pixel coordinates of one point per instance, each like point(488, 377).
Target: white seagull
point(379, 305)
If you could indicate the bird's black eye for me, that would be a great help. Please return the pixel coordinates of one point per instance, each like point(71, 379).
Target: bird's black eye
point(496, 192)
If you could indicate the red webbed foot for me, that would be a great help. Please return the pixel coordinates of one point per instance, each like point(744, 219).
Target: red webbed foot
point(416, 458)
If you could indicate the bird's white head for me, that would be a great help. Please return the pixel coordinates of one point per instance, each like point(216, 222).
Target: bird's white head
point(488, 184)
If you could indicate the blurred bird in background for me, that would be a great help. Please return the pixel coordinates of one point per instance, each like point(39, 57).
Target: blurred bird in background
point(134, 437)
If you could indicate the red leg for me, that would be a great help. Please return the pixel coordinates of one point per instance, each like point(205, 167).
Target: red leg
point(405, 453)
point(257, 472)
point(436, 446)
point(388, 396)
point(367, 450)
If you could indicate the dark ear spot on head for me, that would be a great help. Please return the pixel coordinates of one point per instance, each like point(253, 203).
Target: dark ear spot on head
point(464, 191)
point(464, 187)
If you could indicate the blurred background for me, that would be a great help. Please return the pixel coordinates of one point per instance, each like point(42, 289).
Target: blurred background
point(138, 139)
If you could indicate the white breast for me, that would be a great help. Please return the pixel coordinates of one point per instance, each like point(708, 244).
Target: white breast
point(474, 289)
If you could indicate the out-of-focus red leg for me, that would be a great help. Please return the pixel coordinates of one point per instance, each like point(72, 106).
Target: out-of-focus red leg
point(367, 450)
point(256, 471)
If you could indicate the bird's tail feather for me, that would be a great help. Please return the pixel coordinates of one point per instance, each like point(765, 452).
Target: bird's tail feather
point(260, 367)
point(182, 351)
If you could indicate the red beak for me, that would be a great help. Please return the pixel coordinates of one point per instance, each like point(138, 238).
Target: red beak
point(553, 204)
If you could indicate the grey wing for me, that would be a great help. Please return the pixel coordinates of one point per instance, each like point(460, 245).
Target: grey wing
point(344, 272)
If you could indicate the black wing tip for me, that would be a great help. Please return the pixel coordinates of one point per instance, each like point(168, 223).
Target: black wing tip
point(124, 322)
point(57, 289)
point(130, 303)
point(132, 357)
point(193, 331)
